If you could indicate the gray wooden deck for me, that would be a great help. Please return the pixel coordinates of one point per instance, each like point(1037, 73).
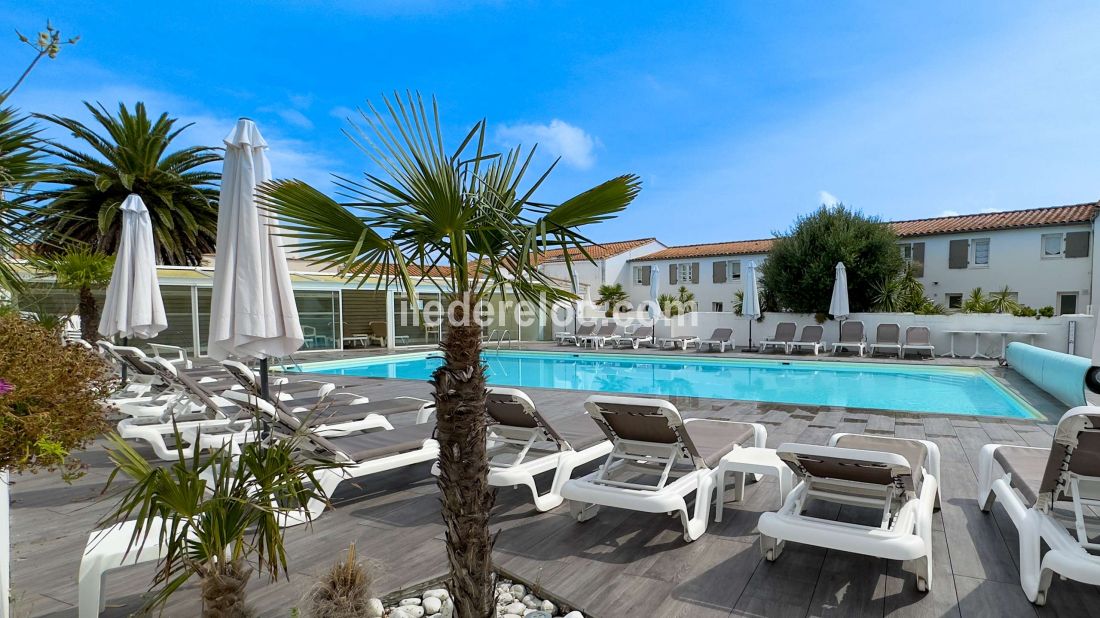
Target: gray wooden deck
point(619, 564)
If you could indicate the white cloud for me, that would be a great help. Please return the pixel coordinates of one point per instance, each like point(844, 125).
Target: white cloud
point(343, 112)
point(949, 213)
point(575, 146)
point(827, 198)
point(989, 210)
point(301, 101)
point(296, 118)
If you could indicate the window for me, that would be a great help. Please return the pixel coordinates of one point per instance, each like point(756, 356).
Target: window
point(683, 273)
point(734, 270)
point(639, 276)
point(1068, 245)
point(1067, 303)
point(912, 253)
point(954, 301)
point(906, 252)
point(716, 307)
point(980, 258)
point(1052, 245)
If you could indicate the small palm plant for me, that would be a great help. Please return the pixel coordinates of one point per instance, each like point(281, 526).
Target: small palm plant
point(977, 302)
point(82, 270)
point(613, 296)
point(474, 211)
point(1003, 301)
point(686, 298)
point(212, 513)
point(130, 155)
point(20, 161)
point(669, 305)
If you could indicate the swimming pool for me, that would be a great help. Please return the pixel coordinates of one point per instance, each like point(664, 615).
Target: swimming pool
point(935, 389)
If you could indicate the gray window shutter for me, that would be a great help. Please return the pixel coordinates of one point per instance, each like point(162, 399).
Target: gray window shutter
point(695, 272)
point(1077, 244)
point(719, 272)
point(918, 259)
point(673, 272)
point(958, 254)
point(647, 274)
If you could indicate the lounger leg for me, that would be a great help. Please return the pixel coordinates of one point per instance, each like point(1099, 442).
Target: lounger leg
point(582, 511)
point(986, 495)
point(771, 547)
point(697, 524)
point(1034, 579)
point(90, 587)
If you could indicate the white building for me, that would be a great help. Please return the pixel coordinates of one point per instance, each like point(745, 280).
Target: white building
point(1043, 255)
point(609, 264)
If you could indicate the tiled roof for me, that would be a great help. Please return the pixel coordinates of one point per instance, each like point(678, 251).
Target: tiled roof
point(597, 251)
point(740, 247)
point(1032, 217)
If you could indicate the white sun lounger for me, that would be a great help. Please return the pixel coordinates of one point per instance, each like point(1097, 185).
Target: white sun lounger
point(361, 454)
point(720, 338)
point(598, 338)
point(583, 330)
point(106, 550)
point(918, 339)
point(642, 334)
point(523, 443)
point(658, 459)
point(887, 337)
point(898, 477)
point(1032, 483)
point(681, 342)
point(811, 339)
point(851, 337)
point(784, 334)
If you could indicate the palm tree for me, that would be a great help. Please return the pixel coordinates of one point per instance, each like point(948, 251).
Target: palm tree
point(686, 298)
point(612, 296)
point(86, 189)
point(1003, 301)
point(470, 210)
point(218, 510)
point(19, 163)
point(82, 270)
point(977, 302)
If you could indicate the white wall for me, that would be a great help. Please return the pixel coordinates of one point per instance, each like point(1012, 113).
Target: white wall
point(607, 271)
point(1015, 260)
point(1055, 330)
point(706, 291)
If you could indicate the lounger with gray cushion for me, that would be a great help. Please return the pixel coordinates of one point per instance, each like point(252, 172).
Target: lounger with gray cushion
point(810, 340)
point(658, 459)
point(851, 337)
point(918, 339)
point(640, 335)
point(887, 338)
point(680, 341)
point(333, 411)
point(894, 480)
point(784, 334)
point(524, 443)
point(360, 455)
point(583, 330)
point(599, 337)
point(720, 338)
point(1050, 494)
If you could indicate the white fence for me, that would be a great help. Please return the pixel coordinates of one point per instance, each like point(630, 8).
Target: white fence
point(1053, 333)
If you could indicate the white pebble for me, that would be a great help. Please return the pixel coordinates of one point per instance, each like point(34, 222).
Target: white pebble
point(548, 607)
point(518, 591)
point(505, 598)
point(408, 611)
point(515, 608)
point(410, 601)
point(511, 616)
point(436, 593)
point(448, 609)
point(375, 608)
point(531, 602)
point(432, 605)
point(573, 614)
point(436, 616)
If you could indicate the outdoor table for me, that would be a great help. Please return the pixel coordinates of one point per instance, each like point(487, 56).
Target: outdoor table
point(751, 460)
point(1005, 334)
point(977, 341)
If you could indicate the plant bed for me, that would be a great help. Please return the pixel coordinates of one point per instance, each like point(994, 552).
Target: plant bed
point(430, 599)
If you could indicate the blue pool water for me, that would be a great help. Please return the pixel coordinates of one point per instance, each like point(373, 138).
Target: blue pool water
point(937, 389)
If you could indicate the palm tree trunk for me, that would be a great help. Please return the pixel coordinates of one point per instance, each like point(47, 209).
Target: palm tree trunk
point(464, 469)
point(88, 310)
point(223, 590)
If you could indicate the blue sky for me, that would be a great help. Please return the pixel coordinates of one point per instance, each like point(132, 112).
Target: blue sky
point(737, 116)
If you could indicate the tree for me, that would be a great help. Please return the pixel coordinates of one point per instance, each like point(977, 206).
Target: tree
point(473, 211)
point(86, 190)
point(686, 298)
point(801, 265)
point(217, 511)
point(82, 270)
point(977, 302)
point(613, 296)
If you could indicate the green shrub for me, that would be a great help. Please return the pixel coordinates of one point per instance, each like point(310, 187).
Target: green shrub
point(1023, 311)
point(50, 397)
point(1046, 312)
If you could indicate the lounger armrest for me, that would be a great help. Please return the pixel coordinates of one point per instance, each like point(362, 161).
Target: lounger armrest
point(171, 353)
